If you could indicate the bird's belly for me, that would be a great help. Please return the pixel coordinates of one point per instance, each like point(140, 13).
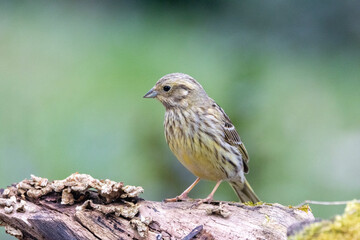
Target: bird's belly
point(200, 152)
point(201, 165)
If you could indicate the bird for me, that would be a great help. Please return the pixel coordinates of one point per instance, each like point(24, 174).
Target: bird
point(202, 136)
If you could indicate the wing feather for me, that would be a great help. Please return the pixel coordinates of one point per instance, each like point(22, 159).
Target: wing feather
point(232, 137)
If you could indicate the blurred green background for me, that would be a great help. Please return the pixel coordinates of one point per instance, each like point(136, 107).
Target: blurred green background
point(72, 77)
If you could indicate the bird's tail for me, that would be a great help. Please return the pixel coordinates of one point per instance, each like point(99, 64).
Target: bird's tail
point(244, 192)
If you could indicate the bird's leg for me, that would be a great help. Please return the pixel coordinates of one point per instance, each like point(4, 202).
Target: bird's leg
point(184, 195)
point(211, 195)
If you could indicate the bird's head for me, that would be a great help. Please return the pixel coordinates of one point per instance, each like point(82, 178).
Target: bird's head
point(177, 90)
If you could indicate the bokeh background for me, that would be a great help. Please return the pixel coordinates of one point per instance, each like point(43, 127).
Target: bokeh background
point(72, 77)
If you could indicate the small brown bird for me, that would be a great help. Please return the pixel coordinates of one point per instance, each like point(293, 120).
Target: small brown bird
point(201, 136)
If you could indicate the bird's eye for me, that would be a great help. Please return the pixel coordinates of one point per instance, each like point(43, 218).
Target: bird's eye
point(167, 88)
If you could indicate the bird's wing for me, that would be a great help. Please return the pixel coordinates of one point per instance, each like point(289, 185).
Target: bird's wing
point(232, 137)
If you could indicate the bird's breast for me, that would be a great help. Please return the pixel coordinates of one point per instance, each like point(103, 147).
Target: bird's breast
point(196, 144)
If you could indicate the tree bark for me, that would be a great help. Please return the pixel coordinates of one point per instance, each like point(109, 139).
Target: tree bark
point(87, 209)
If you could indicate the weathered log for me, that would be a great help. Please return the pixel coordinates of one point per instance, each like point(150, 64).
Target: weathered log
point(81, 207)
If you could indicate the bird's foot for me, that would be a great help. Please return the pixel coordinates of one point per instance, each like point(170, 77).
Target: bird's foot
point(205, 200)
point(179, 198)
point(211, 195)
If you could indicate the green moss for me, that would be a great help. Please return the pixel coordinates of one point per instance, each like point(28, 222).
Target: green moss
point(345, 227)
point(251, 204)
point(267, 218)
point(305, 208)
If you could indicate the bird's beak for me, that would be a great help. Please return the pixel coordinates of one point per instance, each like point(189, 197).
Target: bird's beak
point(151, 94)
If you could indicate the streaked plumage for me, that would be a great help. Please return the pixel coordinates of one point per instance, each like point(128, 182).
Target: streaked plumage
point(201, 135)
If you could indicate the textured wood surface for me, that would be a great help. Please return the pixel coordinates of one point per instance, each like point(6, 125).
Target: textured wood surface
point(91, 218)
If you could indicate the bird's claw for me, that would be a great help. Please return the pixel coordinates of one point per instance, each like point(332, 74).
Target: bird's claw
point(201, 201)
point(177, 199)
